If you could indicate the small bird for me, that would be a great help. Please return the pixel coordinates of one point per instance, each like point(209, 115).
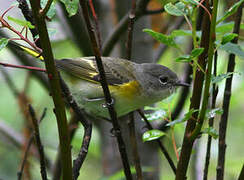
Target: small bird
point(132, 86)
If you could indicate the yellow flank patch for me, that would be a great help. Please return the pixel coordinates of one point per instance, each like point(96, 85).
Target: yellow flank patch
point(128, 90)
point(32, 52)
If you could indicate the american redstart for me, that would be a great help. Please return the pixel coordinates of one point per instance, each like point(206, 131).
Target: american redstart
point(132, 85)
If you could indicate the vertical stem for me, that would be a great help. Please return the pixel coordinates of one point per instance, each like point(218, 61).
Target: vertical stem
point(59, 110)
point(107, 95)
point(226, 102)
point(187, 145)
point(211, 120)
point(135, 152)
point(208, 70)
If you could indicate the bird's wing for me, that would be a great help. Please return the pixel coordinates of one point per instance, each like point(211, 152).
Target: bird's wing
point(117, 72)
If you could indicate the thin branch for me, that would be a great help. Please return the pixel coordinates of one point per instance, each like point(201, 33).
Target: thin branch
point(241, 176)
point(53, 76)
point(9, 82)
point(23, 67)
point(87, 129)
point(44, 11)
point(99, 41)
point(195, 100)
point(155, 11)
point(136, 157)
point(38, 142)
point(109, 102)
point(163, 149)
point(131, 124)
point(226, 101)
point(19, 174)
point(211, 120)
point(122, 26)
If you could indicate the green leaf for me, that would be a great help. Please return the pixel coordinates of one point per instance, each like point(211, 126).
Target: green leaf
point(159, 114)
point(228, 37)
point(152, 135)
point(196, 52)
point(185, 118)
point(3, 43)
point(193, 2)
point(177, 32)
point(231, 11)
point(184, 58)
point(221, 77)
point(176, 10)
point(187, 58)
point(21, 22)
point(71, 6)
point(167, 40)
point(211, 131)
point(213, 112)
point(233, 49)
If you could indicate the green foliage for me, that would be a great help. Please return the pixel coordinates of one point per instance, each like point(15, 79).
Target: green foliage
point(228, 37)
point(188, 58)
point(226, 27)
point(213, 112)
point(231, 11)
point(3, 43)
point(167, 40)
point(211, 131)
point(152, 135)
point(71, 6)
point(21, 22)
point(219, 78)
point(156, 115)
point(233, 49)
point(178, 9)
point(185, 118)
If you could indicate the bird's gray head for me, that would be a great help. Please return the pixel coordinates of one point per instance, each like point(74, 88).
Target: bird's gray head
point(157, 81)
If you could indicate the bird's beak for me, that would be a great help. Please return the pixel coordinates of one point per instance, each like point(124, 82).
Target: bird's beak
point(179, 83)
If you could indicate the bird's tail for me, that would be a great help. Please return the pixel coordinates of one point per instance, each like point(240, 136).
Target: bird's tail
point(26, 49)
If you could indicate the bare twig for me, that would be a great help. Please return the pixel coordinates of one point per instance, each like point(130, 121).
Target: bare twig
point(241, 176)
point(136, 157)
point(46, 8)
point(226, 101)
point(131, 123)
point(87, 128)
point(163, 149)
point(195, 100)
point(38, 142)
point(211, 120)
point(99, 41)
point(122, 26)
point(109, 102)
point(60, 113)
point(23, 67)
point(19, 174)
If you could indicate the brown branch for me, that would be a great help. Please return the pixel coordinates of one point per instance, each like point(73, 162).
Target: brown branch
point(60, 113)
point(109, 101)
point(19, 174)
point(226, 101)
point(211, 120)
point(122, 26)
point(195, 100)
point(241, 176)
point(163, 149)
point(38, 142)
point(87, 129)
point(136, 157)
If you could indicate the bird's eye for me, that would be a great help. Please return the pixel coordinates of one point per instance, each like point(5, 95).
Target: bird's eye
point(163, 80)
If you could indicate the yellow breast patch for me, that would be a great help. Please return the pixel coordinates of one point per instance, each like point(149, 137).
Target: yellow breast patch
point(128, 90)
